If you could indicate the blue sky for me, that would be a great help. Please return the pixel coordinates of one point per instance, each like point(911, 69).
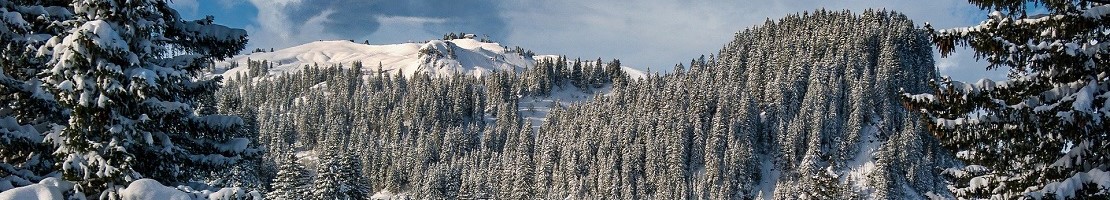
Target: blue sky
point(643, 34)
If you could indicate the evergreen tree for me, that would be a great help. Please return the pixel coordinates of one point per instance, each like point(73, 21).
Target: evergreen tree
point(523, 185)
point(357, 187)
point(292, 179)
point(128, 75)
point(598, 75)
point(327, 185)
point(577, 76)
point(28, 109)
point(1012, 131)
point(329, 181)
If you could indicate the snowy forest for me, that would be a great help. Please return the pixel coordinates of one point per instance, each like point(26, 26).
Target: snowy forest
point(109, 99)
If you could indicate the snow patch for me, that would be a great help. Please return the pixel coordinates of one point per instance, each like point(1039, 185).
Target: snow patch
point(534, 109)
point(150, 189)
point(863, 163)
point(769, 178)
point(47, 189)
point(383, 195)
point(1066, 189)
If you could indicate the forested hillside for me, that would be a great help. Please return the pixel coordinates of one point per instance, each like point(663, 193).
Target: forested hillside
point(791, 109)
point(350, 131)
point(111, 99)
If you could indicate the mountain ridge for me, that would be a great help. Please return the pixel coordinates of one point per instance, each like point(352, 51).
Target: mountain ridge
point(434, 57)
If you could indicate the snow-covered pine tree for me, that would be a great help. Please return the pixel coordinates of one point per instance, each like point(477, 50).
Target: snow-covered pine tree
point(616, 74)
point(577, 74)
point(598, 75)
point(128, 74)
point(291, 181)
point(523, 183)
point(352, 176)
point(328, 183)
point(26, 109)
point(1043, 132)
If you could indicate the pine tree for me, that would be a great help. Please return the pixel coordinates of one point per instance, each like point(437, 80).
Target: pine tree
point(357, 187)
point(291, 181)
point(329, 181)
point(127, 72)
point(28, 110)
point(1054, 100)
point(523, 185)
point(577, 76)
point(598, 77)
point(327, 185)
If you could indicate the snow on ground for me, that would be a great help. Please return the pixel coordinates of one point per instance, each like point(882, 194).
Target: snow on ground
point(143, 189)
point(634, 73)
point(385, 195)
point(769, 178)
point(151, 189)
point(309, 160)
point(48, 189)
point(534, 109)
point(861, 165)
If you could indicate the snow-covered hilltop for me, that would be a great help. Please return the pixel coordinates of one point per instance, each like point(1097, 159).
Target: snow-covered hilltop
point(466, 56)
point(436, 57)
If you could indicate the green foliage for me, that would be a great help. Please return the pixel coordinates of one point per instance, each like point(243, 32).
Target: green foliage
point(120, 82)
point(1031, 130)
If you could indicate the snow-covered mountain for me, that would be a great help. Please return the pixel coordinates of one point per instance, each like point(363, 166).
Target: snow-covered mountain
point(436, 57)
point(466, 56)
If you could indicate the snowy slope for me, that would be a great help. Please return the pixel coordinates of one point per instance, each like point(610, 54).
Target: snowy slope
point(436, 57)
point(439, 57)
point(52, 188)
point(534, 109)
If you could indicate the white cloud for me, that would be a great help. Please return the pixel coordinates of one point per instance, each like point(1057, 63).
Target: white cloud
point(276, 29)
point(409, 20)
point(283, 23)
point(226, 4)
point(962, 66)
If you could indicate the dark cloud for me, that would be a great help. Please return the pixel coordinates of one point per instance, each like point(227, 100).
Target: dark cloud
point(354, 19)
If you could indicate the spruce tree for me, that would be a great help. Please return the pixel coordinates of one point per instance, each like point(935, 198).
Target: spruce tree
point(291, 181)
point(128, 74)
point(328, 183)
point(1043, 128)
point(28, 109)
point(353, 178)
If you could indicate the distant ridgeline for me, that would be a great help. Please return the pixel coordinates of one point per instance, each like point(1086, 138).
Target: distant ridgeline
point(803, 107)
